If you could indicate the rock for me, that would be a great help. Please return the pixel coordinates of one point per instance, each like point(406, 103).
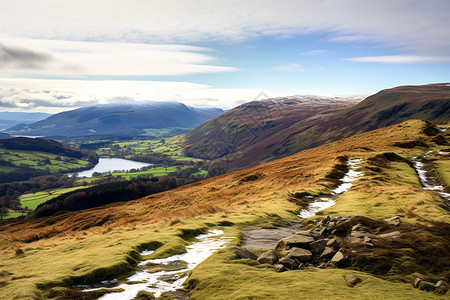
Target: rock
point(318, 232)
point(327, 253)
point(416, 282)
point(289, 263)
point(299, 241)
point(390, 235)
point(303, 232)
point(318, 246)
point(367, 239)
point(396, 221)
point(334, 243)
point(359, 234)
point(269, 257)
point(356, 227)
point(441, 283)
point(300, 254)
point(352, 280)
point(243, 253)
point(338, 258)
point(279, 268)
point(426, 286)
point(355, 240)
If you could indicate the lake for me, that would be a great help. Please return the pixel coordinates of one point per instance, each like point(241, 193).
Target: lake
point(112, 164)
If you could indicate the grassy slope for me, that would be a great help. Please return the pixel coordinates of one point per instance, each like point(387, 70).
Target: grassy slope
point(32, 200)
point(32, 158)
point(76, 244)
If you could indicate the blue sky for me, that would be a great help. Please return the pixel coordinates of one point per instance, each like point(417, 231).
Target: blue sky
point(58, 55)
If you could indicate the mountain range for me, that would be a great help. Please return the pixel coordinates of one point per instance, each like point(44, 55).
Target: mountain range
point(261, 131)
point(120, 120)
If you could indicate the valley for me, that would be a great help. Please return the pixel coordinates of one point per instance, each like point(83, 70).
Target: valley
point(258, 198)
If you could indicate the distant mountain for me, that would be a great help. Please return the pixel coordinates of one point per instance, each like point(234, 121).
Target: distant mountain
point(252, 131)
point(120, 119)
point(387, 107)
point(261, 131)
point(9, 119)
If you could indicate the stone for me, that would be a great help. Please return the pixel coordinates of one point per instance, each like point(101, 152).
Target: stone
point(390, 235)
point(299, 241)
point(359, 234)
point(327, 253)
point(396, 221)
point(441, 283)
point(356, 227)
point(303, 232)
point(243, 253)
point(300, 254)
point(367, 239)
point(338, 258)
point(318, 232)
point(352, 280)
point(355, 240)
point(269, 257)
point(318, 246)
point(416, 282)
point(280, 268)
point(289, 263)
point(334, 243)
point(426, 286)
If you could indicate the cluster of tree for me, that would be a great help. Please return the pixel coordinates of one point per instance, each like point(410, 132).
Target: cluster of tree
point(10, 192)
point(209, 149)
point(107, 193)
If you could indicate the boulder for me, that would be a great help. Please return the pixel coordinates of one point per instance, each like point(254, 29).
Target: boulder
point(359, 234)
point(280, 268)
point(390, 235)
point(243, 253)
point(269, 257)
point(356, 227)
point(416, 282)
point(300, 254)
point(338, 258)
point(352, 280)
point(299, 241)
point(303, 232)
point(327, 253)
point(396, 221)
point(441, 283)
point(318, 246)
point(426, 286)
point(289, 263)
point(334, 243)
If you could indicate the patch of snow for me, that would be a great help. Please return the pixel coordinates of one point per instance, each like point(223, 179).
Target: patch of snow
point(154, 282)
point(326, 202)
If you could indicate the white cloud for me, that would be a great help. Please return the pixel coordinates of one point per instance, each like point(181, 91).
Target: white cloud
point(313, 52)
point(30, 56)
point(402, 59)
point(414, 25)
point(295, 67)
point(48, 95)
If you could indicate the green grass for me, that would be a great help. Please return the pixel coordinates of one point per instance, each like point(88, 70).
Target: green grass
point(32, 200)
point(218, 278)
point(34, 159)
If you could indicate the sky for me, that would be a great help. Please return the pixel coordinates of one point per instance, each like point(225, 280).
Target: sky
point(59, 55)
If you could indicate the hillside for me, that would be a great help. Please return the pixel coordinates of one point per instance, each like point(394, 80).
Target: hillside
point(104, 242)
point(9, 119)
point(120, 119)
point(259, 127)
point(262, 131)
point(387, 107)
point(22, 158)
